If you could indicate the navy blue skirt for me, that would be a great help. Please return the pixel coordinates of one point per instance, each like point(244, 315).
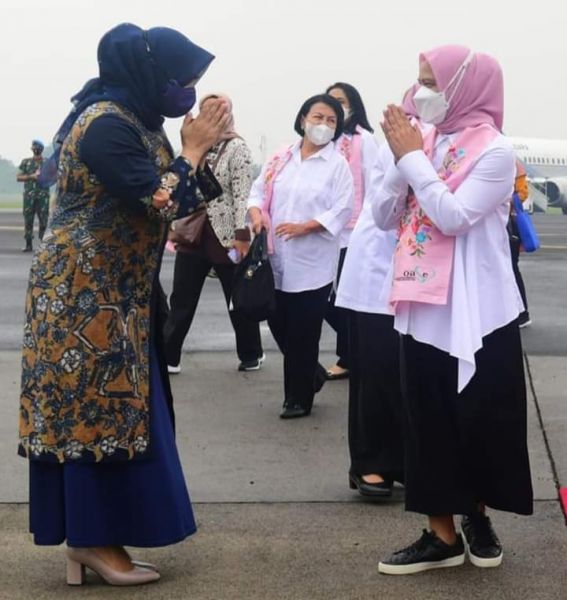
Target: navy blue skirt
point(136, 503)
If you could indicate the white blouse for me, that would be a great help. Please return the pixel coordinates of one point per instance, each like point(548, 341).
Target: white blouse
point(321, 188)
point(369, 152)
point(483, 294)
point(370, 251)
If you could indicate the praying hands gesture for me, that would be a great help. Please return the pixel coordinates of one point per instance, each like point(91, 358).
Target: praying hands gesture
point(401, 135)
point(199, 134)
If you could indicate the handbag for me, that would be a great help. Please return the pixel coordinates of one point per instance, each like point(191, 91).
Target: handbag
point(188, 230)
point(253, 289)
point(526, 230)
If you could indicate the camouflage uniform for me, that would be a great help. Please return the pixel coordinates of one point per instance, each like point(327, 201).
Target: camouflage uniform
point(36, 199)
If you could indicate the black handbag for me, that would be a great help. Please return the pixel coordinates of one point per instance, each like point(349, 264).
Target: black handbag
point(253, 290)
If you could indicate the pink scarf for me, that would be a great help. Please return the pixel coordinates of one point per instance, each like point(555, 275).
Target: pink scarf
point(423, 259)
point(273, 169)
point(351, 148)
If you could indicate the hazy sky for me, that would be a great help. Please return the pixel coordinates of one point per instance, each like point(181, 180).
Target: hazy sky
point(271, 55)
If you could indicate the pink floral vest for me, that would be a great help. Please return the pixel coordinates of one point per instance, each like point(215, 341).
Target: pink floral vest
point(423, 259)
point(275, 166)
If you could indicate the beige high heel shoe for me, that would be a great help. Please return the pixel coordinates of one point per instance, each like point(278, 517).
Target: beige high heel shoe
point(79, 558)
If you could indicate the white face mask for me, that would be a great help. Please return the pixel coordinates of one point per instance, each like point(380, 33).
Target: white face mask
point(348, 112)
point(432, 106)
point(320, 135)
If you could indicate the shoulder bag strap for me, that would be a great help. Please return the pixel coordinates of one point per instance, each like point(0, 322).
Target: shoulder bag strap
point(219, 156)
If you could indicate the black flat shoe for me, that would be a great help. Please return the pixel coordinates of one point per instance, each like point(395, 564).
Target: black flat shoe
point(375, 490)
point(294, 411)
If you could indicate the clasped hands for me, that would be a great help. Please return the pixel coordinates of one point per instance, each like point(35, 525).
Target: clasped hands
point(198, 135)
point(287, 231)
point(401, 135)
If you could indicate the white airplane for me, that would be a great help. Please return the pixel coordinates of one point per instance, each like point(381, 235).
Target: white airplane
point(546, 166)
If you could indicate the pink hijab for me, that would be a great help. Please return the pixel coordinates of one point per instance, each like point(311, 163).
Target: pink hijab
point(229, 132)
point(408, 105)
point(479, 97)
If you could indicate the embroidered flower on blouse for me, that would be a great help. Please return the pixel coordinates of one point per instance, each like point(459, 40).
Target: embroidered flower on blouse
point(71, 360)
point(73, 449)
point(57, 307)
point(62, 289)
point(85, 300)
point(36, 446)
point(109, 445)
point(42, 302)
point(39, 422)
point(140, 444)
point(28, 339)
point(90, 413)
point(346, 147)
point(60, 265)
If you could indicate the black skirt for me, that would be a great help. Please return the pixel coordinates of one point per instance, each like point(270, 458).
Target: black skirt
point(375, 406)
point(462, 449)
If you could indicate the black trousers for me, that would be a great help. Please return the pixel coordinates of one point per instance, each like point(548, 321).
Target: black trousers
point(515, 250)
point(296, 327)
point(189, 277)
point(338, 319)
point(462, 449)
point(375, 398)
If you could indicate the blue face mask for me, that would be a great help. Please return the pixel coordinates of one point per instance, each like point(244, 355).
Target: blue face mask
point(177, 101)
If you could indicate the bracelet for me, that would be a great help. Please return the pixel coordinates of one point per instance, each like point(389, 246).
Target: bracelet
point(169, 182)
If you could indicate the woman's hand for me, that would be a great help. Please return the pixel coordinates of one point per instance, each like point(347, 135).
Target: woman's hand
point(256, 220)
point(401, 135)
point(161, 199)
point(241, 247)
point(199, 134)
point(291, 230)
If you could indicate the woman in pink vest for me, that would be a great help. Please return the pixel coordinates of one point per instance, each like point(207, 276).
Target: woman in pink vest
point(359, 147)
point(456, 304)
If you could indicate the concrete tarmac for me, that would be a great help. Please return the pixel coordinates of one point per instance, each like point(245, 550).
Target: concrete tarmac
point(276, 517)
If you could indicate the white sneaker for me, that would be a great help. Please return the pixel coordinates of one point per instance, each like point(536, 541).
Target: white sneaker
point(174, 370)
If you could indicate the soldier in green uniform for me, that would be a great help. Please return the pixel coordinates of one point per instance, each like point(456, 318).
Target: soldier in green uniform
point(36, 197)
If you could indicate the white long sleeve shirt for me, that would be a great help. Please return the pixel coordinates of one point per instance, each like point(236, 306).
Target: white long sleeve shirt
point(321, 188)
point(483, 294)
point(369, 152)
point(370, 250)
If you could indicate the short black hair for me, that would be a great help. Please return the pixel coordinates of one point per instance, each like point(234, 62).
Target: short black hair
point(329, 101)
point(358, 112)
